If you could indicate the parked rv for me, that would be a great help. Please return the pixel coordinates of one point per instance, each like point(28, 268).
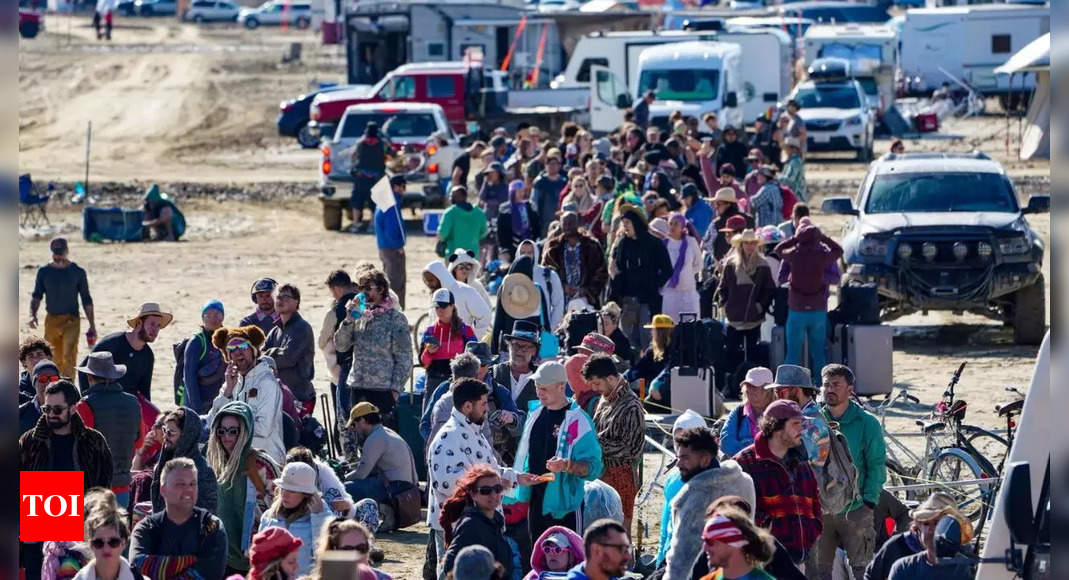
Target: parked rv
point(766, 61)
point(871, 51)
point(694, 78)
point(968, 43)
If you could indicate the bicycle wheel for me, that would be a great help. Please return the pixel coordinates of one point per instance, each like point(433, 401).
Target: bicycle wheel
point(954, 464)
point(898, 476)
point(991, 446)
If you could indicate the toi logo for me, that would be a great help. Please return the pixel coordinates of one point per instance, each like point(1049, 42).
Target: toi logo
point(51, 506)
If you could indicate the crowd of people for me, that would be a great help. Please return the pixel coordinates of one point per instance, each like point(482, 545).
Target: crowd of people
point(534, 403)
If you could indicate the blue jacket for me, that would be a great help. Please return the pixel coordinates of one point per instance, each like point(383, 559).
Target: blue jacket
point(389, 227)
point(701, 215)
point(735, 434)
point(578, 441)
point(307, 528)
point(501, 395)
point(673, 482)
point(578, 573)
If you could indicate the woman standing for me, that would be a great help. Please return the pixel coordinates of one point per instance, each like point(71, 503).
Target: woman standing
point(517, 221)
point(444, 339)
point(347, 536)
point(745, 294)
point(680, 294)
point(275, 555)
point(246, 480)
point(299, 509)
point(471, 517)
point(580, 195)
point(107, 534)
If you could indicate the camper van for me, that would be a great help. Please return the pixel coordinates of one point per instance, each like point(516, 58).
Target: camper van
point(692, 77)
point(766, 61)
point(968, 42)
point(871, 51)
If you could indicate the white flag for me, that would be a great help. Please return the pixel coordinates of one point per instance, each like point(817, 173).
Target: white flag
point(382, 194)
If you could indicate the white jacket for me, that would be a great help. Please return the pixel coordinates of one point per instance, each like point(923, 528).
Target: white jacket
point(692, 265)
point(260, 389)
point(458, 445)
point(473, 278)
point(549, 281)
point(89, 571)
point(473, 310)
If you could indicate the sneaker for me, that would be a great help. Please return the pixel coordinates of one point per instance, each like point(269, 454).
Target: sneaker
point(353, 229)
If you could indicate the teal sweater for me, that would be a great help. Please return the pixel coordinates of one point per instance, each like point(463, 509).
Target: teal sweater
point(864, 436)
point(462, 228)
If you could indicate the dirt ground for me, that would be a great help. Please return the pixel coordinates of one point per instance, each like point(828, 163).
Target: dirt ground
point(179, 103)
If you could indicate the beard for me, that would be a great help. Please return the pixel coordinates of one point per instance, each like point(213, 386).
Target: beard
point(56, 423)
point(144, 336)
point(478, 420)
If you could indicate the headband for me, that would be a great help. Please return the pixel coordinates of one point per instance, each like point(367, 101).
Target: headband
point(722, 529)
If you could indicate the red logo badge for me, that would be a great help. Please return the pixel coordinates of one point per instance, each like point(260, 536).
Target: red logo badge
point(51, 507)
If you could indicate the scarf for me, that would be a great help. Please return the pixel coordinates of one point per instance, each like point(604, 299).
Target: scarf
point(681, 259)
point(749, 412)
point(521, 223)
point(385, 305)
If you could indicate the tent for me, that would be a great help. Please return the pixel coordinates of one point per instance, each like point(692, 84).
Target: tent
point(1034, 58)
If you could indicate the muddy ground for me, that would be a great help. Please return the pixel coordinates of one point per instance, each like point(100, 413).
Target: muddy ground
point(195, 107)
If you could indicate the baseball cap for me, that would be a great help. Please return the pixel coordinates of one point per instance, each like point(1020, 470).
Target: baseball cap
point(558, 539)
point(549, 373)
point(759, 376)
point(442, 297)
point(784, 409)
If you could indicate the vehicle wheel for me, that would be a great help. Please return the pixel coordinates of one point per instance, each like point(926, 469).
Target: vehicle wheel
point(953, 465)
point(1030, 313)
point(251, 23)
point(303, 23)
point(198, 19)
point(991, 446)
point(29, 29)
point(307, 137)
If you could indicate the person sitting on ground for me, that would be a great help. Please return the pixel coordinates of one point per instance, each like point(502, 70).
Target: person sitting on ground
point(274, 554)
point(107, 534)
point(298, 507)
point(162, 219)
point(346, 535)
point(181, 539)
point(471, 517)
point(443, 339)
point(556, 551)
point(736, 547)
point(741, 426)
point(386, 467)
point(655, 358)
point(334, 492)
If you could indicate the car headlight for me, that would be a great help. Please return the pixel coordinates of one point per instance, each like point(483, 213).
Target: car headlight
point(854, 121)
point(928, 250)
point(960, 250)
point(1013, 246)
point(905, 251)
point(873, 247)
point(983, 249)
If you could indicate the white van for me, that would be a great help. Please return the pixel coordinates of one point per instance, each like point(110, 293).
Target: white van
point(692, 77)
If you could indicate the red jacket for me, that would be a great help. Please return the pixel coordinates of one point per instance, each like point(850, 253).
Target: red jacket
point(450, 343)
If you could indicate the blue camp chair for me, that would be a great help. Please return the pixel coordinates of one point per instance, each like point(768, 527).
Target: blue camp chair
point(32, 201)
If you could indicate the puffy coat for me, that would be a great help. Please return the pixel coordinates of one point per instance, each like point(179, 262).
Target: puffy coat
point(307, 528)
point(475, 529)
point(262, 392)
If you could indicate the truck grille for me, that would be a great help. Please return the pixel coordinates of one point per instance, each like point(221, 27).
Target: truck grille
point(823, 125)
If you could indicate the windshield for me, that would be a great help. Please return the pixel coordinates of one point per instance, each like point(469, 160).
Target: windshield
point(940, 192)
point(828, 96)
point(396, 125)
point(681, 85)
point(868, 84)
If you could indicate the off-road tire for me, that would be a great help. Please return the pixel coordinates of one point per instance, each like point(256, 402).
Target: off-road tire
point(252, 23)
point(1030, 313)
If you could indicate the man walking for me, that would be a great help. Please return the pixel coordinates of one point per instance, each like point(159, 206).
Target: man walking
point(131, 349)
point(62, 283)
point(852, 529)
point(116, 414)
point(579, 260)
point(788, 498)
point(291, 343)
point(263, 296)
point(390, 238)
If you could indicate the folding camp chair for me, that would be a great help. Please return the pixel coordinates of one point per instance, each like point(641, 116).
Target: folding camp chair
point(32, 201)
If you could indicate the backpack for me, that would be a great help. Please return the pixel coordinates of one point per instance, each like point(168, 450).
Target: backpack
point(180, 363)
point(838, 477)
point(789, 201)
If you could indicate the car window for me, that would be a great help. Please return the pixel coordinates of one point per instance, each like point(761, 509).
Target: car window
point(681, 84)
point(940, 192)
point(394, 125)
point(202, 4)
point(831, 96)
point(441, 87)
point(583, 76)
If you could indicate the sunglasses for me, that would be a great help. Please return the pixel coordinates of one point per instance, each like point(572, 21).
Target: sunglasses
point(47, 378)
point(53, 409)
point(232, 431)
point(552, 549)
point(112, 542)
point(239, 346)
point(362, 548)
point(490, 489)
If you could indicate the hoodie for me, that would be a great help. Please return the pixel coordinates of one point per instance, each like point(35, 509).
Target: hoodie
point(642, 265)
point(471, 307)
point(808, 254)
point(688, 513)
point(462, 257)
point(549, 282)
point(463, 226)
point(538, 557)
point(188, 446)
point(864, 437)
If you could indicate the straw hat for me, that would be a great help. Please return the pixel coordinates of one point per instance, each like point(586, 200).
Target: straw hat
point(725, 194)
point(661, 321)
point(747, 235)
point(519, 296)
point(151, 309)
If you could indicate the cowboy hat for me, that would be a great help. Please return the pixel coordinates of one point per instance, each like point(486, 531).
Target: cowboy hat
point(661, 321)
point(151, 309)
point(725, 194)
point(747, 235)
point(100, 364)
point(519, 296)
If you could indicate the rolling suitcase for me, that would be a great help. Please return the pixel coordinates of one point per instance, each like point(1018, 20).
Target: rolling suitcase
point(868, 349)
point(692, 388)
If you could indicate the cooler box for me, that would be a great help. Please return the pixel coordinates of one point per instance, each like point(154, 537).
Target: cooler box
point(926, 122)
point(432, 218)
point(868, 349)
point(112, 223)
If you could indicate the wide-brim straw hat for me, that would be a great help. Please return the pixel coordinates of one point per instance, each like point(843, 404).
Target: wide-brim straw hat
point(151, 309)
point(747, 235)
point(725, 194)
point(519, 296)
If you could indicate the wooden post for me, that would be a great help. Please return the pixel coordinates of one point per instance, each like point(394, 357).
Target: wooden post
point(88, 142)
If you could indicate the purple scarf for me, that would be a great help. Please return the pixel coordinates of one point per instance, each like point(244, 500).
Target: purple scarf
point(521, 224)
point(681, 259)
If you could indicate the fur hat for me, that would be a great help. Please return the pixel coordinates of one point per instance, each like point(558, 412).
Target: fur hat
point(251, 333)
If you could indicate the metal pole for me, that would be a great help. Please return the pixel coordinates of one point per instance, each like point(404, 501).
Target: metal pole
point(941, 484)
point(88, 142)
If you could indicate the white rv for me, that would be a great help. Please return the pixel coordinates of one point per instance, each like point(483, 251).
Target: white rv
point(871, 50)
point(694, 78)
point(968, 42)
point(766, 61)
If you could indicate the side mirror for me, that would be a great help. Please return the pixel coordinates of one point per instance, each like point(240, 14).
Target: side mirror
point(1017, 503)
point(731, 100)
point(1038, 204)
point(838, 205)
point(623, 101)
point(947, 537)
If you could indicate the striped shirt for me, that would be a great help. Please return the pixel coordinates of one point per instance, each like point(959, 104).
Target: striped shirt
point(618, 420)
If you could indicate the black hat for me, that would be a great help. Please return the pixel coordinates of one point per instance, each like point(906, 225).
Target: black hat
point(689, 190)
point(525, 330)
point(398, 179)
point(481, 351)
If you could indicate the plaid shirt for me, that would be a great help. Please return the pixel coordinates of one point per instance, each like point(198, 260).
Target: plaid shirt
point(788, 498)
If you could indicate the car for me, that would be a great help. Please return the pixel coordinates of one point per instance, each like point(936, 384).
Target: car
point(293, 115)
point(274, 13)
point(945, 232)
point(836, 117)
point(156, 7)
point(212, 11)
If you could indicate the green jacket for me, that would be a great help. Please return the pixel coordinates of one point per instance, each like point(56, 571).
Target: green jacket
point(462, 228)
point(864, 436)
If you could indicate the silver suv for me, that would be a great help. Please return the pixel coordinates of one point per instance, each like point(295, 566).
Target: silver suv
point(836, 116)
point(944, 231)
